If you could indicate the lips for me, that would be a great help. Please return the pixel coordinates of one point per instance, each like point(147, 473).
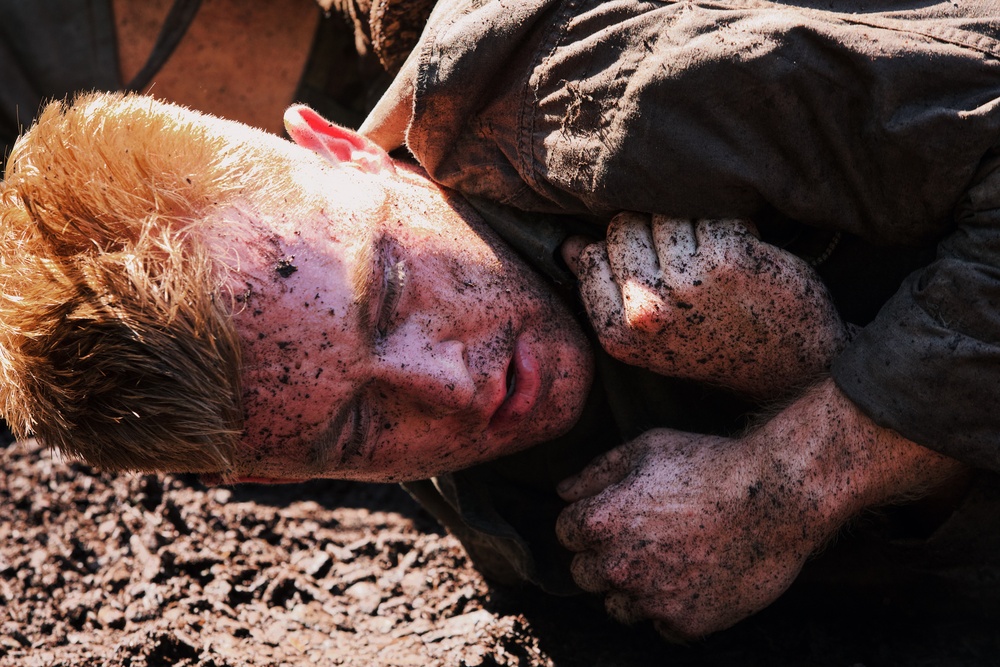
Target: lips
point(523, 382)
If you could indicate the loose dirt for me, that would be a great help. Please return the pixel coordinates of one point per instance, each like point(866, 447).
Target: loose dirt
point(140, 571)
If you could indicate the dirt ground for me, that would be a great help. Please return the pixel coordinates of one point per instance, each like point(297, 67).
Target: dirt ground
point(138, 571)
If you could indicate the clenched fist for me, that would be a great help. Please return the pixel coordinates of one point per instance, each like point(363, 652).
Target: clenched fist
point(696, 532)
point(691, 531)
point(706, 300)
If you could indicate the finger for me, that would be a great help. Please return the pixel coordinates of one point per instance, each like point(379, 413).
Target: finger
point(728, 232)
point(732, 226)
point(674, 240)
point(588, 572)
point(600, 293)
point(631, 252)
point(751, 228)
point(587, 523)
point(647, 311)
point(573, 530)
point(607, 469)
point(571, 249)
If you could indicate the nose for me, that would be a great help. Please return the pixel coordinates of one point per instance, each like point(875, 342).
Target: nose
point(434, 375)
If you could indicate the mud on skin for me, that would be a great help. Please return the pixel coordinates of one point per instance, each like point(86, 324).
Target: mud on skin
point(707, 301)
point(389, 351)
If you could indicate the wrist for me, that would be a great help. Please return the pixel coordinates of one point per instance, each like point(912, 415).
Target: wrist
point(843, 463)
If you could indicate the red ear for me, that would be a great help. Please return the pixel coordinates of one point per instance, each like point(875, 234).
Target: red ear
point(339, 145)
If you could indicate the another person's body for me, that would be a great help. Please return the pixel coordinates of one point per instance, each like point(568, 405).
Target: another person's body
point(862, 136)
point(816, 464)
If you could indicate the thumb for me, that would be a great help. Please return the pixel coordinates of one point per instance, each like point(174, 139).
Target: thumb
point(607, 469)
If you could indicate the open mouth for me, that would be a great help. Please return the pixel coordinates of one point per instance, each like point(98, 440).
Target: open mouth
point(511, 379)
point(523, 384)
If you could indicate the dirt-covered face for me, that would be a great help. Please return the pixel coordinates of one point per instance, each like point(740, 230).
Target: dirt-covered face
point(389, 336)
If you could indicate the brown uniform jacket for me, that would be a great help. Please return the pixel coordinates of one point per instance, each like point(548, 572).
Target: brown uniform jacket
point(876, 119)
point(859, 133)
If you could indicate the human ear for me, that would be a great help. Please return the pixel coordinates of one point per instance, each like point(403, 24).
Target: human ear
point(339, 145)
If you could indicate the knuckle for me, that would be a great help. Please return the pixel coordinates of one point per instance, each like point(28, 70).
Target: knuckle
point(621, 222)
point(643, 310)
point(641, 444)
point(597, 523)
point(619, 572)
point(616, 229)
point(582, 571)
point(638, 316)
point(566, 525)
point(583, 580)
point(594, 251)
point(593, 525)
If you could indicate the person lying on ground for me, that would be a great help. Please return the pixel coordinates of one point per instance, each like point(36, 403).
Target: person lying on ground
point(882, 132)
point(859, 136)
point(182, 293)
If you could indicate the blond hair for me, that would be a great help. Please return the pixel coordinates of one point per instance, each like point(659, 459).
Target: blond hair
point(117, 344)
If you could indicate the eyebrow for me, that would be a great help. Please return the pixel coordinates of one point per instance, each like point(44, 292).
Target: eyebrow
point(328, 439)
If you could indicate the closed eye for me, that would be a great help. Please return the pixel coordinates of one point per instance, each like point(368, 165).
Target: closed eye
point(395, 281)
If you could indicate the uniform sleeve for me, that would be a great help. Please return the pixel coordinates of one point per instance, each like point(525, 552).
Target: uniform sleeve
point(867, 117)
point(860, 117)
point(929, 365)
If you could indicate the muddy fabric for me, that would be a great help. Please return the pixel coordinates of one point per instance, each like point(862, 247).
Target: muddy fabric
point(395, 27)
point(929, 366)
point(389, 28)
point(869, 118)
point(857, 136)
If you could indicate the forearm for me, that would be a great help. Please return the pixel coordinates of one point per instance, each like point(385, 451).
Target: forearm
point(841, 463)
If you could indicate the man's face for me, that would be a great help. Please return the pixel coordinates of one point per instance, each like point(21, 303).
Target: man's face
point(388, 335)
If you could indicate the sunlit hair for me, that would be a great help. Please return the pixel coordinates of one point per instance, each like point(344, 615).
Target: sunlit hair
point(116, 339)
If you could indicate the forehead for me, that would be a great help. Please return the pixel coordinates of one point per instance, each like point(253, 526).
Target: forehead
point(292, 281)
point(292, 265)
point(300, 207)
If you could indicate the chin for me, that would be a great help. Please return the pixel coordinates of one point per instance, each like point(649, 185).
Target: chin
point(559, 415)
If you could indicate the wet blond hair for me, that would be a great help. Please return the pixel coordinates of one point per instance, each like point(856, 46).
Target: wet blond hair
point(117, 344)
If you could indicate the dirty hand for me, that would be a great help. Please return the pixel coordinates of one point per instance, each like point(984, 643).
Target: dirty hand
point(687, 530)
point(706, 300)
point(697, 532)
